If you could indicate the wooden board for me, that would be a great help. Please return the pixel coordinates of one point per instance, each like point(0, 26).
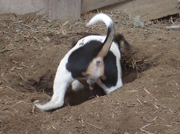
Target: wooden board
point(147, 9)
point(64, 9)
point(88, 5)
point(56, 9)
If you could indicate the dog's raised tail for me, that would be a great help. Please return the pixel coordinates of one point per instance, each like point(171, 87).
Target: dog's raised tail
point(110, 32)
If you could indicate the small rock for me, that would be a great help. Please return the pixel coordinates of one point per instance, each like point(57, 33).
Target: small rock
point(47, 39)
point(138, 22)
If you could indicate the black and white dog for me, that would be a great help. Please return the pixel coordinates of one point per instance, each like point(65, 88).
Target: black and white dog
point(95, 59)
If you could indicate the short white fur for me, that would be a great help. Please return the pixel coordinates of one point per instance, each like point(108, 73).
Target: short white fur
point(63, 77)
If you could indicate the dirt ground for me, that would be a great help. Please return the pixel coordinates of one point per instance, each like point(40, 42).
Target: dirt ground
point(31, 48)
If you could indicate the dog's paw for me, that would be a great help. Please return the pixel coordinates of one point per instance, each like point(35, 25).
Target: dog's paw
point(36, 102)
point(76, 85)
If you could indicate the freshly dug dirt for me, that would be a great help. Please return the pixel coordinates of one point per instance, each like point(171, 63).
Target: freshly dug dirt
point(31, 48)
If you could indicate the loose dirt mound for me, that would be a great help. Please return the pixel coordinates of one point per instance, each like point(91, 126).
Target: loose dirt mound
point(31, 48)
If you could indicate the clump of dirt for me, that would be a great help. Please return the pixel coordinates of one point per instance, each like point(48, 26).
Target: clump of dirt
point(31, 47)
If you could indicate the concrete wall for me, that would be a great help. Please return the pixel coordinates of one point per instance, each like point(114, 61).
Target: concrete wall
point(64, 9)
point(24, 6)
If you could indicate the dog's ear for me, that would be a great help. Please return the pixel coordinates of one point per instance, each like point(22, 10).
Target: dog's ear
point(127, 46)
point(119, 38)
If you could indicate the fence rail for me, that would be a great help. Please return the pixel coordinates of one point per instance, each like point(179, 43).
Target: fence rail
point(57, 9)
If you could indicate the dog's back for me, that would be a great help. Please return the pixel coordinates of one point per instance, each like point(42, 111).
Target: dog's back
point(94, 58)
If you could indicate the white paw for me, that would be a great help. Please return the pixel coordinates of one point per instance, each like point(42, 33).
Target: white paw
point(39, 105)
point(76, 85)
point(36, 102)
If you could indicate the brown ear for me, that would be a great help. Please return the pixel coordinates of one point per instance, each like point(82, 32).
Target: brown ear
point(119, 38)
point(127, 46)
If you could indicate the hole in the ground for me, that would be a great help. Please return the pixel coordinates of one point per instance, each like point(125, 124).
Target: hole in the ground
point(169, 18)
point(130, 69)
point(44, 84)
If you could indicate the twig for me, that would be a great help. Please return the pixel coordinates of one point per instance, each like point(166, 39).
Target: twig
point(173, 27)
point(9, 88)
point(22, 64)
point(171, 19)
point(154, 119)
point(37, 40)
point(146, 126)
point(140, 102)
point(178, 123)
point(5, 50)
point(142, 129)
point(132, 91)
point(162, 119)
point(64, 24)
point(156, 105)
point(54, 127)
point(22, 77)
point(146, 91)
point(146, 131)
point(93, 126)
point(27, 26)
point(18, 103)
point(150, 94)
point(176, 84)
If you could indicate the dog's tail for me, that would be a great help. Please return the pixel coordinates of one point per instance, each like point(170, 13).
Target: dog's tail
point(110, 33)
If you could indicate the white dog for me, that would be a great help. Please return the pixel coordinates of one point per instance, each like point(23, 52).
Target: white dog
point(95, 59)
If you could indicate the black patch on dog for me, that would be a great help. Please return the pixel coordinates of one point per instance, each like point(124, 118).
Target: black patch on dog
point(110, 70)
point(79, 60)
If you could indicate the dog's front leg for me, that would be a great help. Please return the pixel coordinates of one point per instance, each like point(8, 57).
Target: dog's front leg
point(62, 80)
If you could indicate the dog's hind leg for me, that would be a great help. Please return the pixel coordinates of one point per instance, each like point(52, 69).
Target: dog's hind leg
point(76, 85)
point(62, 80)
point(108, 90)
